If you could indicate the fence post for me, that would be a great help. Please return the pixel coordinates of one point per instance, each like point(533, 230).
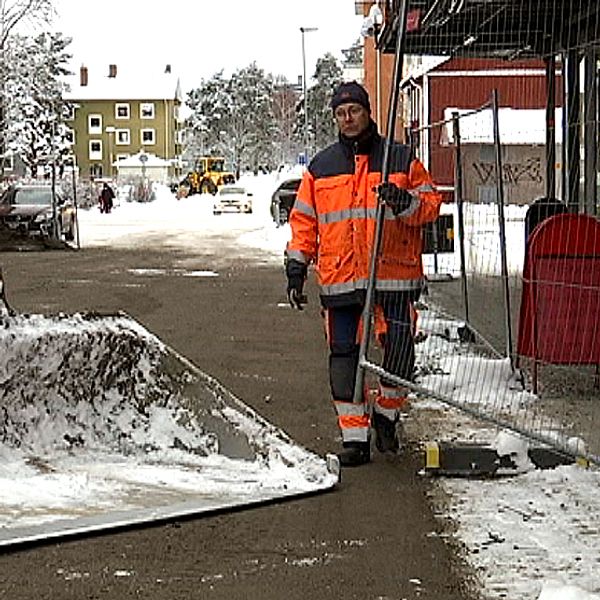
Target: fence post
point(502, 226)
point(551, 127)
point(458, 198)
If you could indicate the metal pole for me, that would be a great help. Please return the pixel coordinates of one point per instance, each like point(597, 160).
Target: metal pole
point(110, 132)
point(75, 207)
point(502, 225)
point(458, 198)
point(573, 138)
point(2, 138)
point(378, 82)
point(55, 231)
point(590, 132)
point(551, 127)
point(380, 217)
point(305, 100)
point(304, 30)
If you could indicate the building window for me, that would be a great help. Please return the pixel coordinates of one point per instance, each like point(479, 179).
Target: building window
point(95, 171)
point(147, 137)
point(122, 110)
point(123, 137)
point(94, 124)
point(146, 110)
point(95, 150)
point(70, 136)
point(122, 157)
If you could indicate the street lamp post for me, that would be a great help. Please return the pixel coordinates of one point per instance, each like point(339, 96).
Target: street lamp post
point(110, 131)
point(304, 30)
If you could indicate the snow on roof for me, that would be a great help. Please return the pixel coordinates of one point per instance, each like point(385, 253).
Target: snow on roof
point(518, 126)
point(417, 66)
point(130, 85)
point(135, 160)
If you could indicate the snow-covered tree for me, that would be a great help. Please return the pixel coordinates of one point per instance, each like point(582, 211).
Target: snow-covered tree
point(12, 14)
point(209, 105)
point(328, 75)
point(234, 117)
point(252, 112)
point(35, 108)
point(321, 127)
point(285, 100)
point(15, 12)
point(256, 120)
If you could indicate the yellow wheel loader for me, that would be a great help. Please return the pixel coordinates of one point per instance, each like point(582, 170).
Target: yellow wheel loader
point(208, 176)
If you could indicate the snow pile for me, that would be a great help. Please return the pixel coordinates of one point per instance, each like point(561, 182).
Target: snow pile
point(558, 591)
point(90, 381)
point(100, 417)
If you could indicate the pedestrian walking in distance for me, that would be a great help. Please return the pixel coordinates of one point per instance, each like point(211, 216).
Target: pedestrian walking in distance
point(333, 224)
point(106, 199)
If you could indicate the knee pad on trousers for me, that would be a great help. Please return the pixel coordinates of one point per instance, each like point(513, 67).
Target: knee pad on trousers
point(342, 374)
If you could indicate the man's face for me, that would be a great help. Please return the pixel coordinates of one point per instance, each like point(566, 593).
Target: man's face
point(351, 118)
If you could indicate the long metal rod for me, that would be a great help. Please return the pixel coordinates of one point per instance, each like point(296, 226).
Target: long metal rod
point(380, 218)
point(458, 199)
point(502, 225)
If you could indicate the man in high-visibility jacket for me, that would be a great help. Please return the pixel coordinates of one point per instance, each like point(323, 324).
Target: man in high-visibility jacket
point(333, 225)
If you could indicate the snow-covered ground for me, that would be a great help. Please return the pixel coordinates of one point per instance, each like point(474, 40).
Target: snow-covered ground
point(532, 536)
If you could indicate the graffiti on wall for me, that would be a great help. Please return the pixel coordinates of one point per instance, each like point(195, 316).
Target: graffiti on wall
point(525, 171)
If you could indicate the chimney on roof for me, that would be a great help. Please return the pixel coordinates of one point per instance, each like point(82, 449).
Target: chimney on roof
point(83, 76)
point(168, 69)
point(112, 71)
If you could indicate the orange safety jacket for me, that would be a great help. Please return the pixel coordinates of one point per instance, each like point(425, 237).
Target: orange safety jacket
point(334, 217)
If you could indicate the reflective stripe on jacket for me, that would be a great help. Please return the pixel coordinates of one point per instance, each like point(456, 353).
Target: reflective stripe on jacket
point(333, 219)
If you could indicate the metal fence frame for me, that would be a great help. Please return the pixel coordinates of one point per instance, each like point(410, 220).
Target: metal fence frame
point(523, 425)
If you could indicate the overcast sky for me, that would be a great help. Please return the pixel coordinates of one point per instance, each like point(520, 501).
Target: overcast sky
point(199, 38)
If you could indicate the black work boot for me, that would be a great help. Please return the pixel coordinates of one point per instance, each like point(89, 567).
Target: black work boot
point(386, 437)
point(354, 454)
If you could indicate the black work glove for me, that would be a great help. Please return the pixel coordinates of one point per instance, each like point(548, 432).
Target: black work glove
point(296, 274)
point(398, 199)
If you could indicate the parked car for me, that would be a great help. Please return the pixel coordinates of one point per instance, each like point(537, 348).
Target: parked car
point(232, 198)
point(283, 199)
point(27, 209)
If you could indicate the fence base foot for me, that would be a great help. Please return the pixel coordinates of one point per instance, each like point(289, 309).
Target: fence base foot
point(480, 460)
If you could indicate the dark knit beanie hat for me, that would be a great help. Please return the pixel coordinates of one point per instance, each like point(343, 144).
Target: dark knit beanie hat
point(350, 91)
